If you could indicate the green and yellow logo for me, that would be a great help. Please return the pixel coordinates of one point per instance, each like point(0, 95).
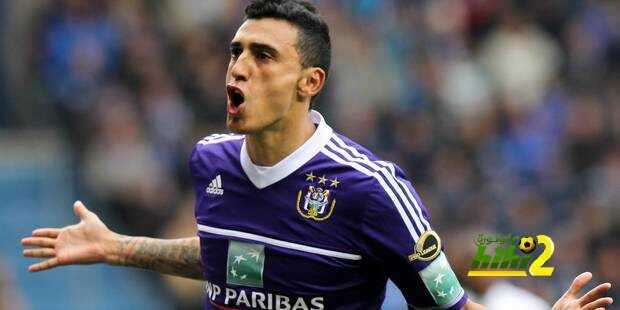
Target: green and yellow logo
point(512, 257)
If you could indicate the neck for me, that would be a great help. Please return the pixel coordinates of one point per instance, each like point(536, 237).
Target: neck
point(270, 146)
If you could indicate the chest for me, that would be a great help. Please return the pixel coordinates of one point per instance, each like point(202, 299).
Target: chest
point(296, 236)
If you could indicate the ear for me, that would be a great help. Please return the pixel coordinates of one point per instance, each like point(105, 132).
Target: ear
point(311, 82)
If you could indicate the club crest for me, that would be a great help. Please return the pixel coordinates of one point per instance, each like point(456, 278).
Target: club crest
point(316, 204)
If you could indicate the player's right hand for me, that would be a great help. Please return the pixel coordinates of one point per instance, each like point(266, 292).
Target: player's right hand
point(86, 242)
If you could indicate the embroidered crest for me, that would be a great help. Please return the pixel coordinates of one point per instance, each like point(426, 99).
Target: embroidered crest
point(316, 204)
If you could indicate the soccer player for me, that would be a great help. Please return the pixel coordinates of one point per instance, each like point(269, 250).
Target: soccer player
point(290, 214)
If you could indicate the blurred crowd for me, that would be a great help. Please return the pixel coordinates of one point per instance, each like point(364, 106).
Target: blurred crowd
point(504, 114)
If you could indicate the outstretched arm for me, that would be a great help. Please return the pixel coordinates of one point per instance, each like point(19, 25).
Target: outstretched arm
point(90, 242)
point(179, 257)
point(593, 300)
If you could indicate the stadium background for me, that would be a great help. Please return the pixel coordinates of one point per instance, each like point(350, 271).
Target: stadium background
point(506, 116)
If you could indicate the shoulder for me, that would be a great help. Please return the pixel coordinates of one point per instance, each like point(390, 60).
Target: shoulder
point(358, 159)
point(386, 186)
point(214, 149)
point(220, 138)
point(218, 142)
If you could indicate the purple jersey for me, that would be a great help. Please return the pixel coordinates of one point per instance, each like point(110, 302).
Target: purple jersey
point(322, 229)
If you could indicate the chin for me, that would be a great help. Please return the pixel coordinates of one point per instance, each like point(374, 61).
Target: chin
point(237, 126)
point(241, 125)
point(236, 130)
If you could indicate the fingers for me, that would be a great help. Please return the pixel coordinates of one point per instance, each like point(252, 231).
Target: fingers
point(40, 253)
point(46, 232)
point(44, 265)
point(599, 304)
point(39, 241)
point(46, 250)
point(594, 294)
point(578, 283)
point(80, 210)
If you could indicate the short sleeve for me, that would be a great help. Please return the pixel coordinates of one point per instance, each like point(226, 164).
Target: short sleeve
point(197, 169)
point(401, 240)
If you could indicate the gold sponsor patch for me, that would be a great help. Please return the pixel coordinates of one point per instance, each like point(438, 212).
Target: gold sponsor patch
point(427, 248)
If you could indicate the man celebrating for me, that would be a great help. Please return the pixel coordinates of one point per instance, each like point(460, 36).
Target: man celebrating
point(290, 214)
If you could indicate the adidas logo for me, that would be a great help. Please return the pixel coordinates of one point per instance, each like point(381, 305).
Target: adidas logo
point(215, 187)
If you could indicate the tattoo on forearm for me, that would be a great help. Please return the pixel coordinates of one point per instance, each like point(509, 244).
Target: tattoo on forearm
point(180, 257)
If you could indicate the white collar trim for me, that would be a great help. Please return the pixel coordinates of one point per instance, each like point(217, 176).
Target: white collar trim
point(262, 177)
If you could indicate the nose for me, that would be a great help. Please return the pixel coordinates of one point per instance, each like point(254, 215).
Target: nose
point(240, 68)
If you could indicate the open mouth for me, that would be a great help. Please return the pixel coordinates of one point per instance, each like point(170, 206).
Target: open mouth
point(235, 95)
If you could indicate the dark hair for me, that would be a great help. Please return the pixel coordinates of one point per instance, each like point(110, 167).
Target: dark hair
point(313, 43)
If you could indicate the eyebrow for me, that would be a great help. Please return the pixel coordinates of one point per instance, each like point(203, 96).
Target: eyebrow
point(258, 47)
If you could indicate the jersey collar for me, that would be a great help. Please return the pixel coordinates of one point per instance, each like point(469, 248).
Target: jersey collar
point(262, 177)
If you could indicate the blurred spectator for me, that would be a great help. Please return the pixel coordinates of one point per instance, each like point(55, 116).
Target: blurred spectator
point(10, 298)
point(3, 99)
point(79, 49)
point(604, 252)
point(121, 166)
point(520, 58)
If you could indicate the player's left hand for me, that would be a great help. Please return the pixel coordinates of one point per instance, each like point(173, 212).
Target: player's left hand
point(593, 300)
